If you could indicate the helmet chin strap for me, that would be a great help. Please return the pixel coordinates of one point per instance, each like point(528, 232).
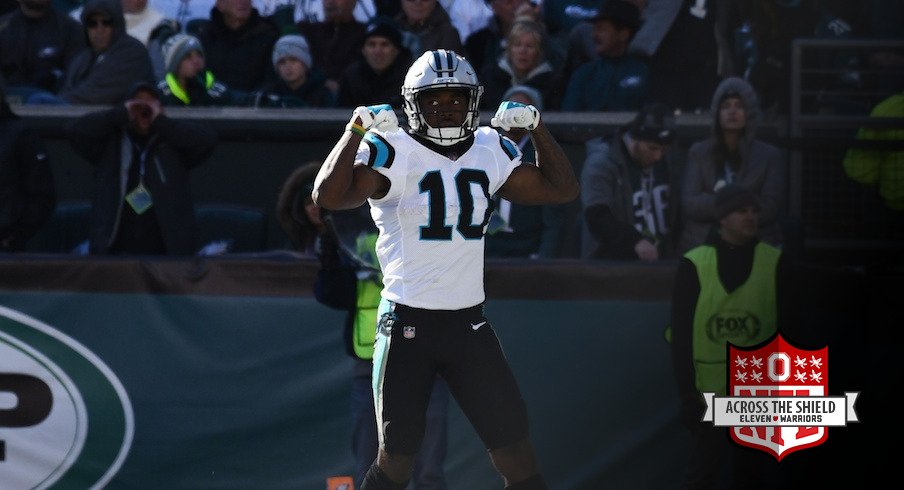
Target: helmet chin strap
point(450, 135)
point(446, 136)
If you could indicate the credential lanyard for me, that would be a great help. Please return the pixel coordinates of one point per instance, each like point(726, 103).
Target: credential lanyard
point(139, 198)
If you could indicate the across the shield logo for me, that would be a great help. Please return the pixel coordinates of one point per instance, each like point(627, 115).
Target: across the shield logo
point(778, 369)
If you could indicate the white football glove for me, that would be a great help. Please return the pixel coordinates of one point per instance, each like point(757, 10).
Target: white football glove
point(380, 117)
point(516, 115)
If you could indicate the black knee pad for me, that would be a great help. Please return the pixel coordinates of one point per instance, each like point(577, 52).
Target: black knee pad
point(375, 479)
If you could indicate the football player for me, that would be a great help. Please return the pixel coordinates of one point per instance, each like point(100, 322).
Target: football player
point(430, 190)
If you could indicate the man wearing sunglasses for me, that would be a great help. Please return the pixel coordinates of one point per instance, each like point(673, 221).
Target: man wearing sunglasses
point(113, 61)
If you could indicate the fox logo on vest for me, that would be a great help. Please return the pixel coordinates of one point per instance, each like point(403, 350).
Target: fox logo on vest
point(778, 398)
point(737, 326)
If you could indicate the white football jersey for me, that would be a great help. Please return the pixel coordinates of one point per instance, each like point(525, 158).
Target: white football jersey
point(433, 219)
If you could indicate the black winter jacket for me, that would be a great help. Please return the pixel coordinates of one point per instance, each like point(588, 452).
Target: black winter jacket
point(360, 85)
point(106, 77)
point(27, 196)
point(179, 146)
point(240, 58)
point(37, 52)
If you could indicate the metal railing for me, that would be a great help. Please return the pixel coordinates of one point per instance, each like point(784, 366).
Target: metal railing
point(835, 84)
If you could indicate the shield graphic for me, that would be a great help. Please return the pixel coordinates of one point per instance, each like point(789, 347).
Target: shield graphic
point(776, 368)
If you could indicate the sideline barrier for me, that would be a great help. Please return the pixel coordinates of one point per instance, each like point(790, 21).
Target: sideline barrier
point(238, 379)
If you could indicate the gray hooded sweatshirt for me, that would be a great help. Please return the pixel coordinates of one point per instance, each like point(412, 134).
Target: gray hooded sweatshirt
point(762, 169)
point(106, 77)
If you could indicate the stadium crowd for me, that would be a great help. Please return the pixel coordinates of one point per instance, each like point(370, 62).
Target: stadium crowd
point(565, 55)
point(719, 211)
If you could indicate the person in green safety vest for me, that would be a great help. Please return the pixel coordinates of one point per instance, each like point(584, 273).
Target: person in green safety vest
point(350, 279)
point(188, 82)
point(883, 168)
point(734, 288)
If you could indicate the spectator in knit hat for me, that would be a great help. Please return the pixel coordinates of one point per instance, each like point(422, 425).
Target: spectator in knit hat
point(299, 83)
point(378, 77)
point(113, 62)
point(733, 288)
point(188, 82)
point(629, 190)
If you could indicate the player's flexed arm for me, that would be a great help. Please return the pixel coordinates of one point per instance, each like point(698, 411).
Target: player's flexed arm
point(552, 180)
point(340, 184)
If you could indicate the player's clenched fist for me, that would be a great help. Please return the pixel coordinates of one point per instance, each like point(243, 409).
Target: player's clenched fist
point(380, 117)
point(516, 115)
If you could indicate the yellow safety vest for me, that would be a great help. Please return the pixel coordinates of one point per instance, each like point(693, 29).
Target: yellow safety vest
point(744, 317)
point(364, 330)
point(881, 167)
point(177, 90)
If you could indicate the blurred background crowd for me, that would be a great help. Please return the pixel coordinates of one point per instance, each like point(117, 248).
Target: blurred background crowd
point(729, 61)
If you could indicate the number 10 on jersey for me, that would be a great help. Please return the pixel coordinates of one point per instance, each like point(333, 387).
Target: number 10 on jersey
point(436, 228)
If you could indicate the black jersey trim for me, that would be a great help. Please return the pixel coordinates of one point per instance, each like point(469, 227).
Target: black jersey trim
point(382, 154)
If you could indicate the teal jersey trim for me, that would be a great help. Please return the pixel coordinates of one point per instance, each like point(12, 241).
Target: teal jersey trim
point(509, 147)
point(381, 153)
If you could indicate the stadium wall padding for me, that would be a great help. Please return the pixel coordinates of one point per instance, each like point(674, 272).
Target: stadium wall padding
point(238, 378)
point(245, 391)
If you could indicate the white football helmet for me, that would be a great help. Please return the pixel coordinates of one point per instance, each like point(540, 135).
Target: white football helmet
point(441, 69)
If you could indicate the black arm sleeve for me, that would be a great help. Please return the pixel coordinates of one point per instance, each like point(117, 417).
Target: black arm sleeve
point(684, 303)
point(616, 238)
point(194, 141)
point(38, 191)
point(336, 285)
point(89, 134)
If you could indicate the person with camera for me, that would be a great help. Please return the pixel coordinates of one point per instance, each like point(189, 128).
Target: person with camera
point(143, 159)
